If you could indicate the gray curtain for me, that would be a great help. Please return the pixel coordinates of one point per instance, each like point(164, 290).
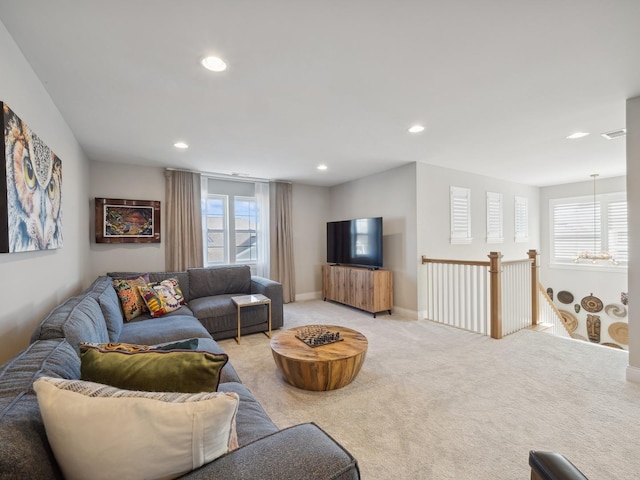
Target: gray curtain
point(281, 259)
point(183, 229)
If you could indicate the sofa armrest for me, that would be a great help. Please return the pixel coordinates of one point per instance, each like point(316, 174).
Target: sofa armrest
point(273, 290)
point(303, 451)
point(552, 466)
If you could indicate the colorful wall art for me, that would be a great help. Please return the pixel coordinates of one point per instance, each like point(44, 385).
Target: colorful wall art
point(30, 190)
point(127, 221)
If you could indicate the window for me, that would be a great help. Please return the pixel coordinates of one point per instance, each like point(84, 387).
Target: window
point(494, 218)
point(578, 225)
point(215, 213)
point(521, 221)
point(246, 220)
point(460, 215)
point(231, 234)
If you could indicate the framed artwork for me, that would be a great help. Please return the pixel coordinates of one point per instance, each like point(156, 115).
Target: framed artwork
point(127, 221)
point(30, 189)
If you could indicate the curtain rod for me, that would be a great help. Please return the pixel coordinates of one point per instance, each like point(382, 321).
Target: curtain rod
point(224, 176)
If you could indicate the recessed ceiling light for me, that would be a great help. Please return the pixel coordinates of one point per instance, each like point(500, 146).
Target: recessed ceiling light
point(215, 64)
point(416, 129)
point(181, 145)
point(575, 135)
point(322, 167)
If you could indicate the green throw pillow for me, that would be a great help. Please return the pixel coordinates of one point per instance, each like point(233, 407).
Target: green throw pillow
point(153, 371)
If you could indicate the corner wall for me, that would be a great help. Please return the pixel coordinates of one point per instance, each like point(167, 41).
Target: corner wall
point(633, 205)
point(32, 283)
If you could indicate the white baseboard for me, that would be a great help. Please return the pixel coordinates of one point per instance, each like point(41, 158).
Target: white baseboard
point(633, 374)
point(301, 297)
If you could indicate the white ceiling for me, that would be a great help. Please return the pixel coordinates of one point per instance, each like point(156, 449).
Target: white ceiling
point(498, 84)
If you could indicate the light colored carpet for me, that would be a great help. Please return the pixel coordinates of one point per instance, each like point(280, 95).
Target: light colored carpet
point(434, 402)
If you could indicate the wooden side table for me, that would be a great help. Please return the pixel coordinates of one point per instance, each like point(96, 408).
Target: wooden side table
point(249, 301)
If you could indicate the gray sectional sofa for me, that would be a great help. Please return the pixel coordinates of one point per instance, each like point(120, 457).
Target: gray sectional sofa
point(265, 452)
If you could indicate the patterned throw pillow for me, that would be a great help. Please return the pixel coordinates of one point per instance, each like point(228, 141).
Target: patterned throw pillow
point(189, 344)
point(158, 299)
point(174, 287)
point(150, 434)
point(130, 299)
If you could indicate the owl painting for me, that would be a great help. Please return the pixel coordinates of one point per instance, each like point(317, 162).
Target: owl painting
point(33, 190)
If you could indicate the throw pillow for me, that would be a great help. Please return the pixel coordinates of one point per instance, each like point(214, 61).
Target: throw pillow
point(158, 299)
point(101, 432)
point(130, 299)
point(174, 287)
point(190, 344)
point(154, 370)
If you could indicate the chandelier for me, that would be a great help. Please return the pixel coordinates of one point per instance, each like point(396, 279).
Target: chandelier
point(589, 255)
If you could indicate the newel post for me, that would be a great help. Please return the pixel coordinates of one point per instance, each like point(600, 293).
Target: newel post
point(533, 256)
point(495, 270)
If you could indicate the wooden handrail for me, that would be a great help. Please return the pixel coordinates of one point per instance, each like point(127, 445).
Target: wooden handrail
point(552, 305)
point(455, 262)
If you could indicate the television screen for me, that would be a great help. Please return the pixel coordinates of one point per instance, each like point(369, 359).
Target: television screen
point(355, 242)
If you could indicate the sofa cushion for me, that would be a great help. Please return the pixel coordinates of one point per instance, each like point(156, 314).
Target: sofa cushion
point(252, 422)
point(155, 435)
point(187, 371)
point(169, 328)
point(52, 358)
point(79, 319)
point(155, 277)
point(104, 293)
point(205, 282)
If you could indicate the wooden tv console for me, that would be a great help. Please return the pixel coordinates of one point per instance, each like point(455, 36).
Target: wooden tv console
point(367, 289)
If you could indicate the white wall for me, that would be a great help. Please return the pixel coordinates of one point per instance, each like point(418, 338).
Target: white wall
point(391, 195)
point(633, 204)
point(310, 214)
point(433, 218)
point(34, 282)
point(604, 284)
point(113, 180)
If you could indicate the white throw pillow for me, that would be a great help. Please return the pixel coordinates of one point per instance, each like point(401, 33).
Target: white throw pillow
point(102, 432)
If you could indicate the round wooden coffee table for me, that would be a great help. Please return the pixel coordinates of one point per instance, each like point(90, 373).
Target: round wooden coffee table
point(325, 367)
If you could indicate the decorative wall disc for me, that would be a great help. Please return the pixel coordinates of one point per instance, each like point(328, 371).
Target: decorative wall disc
point(591, 304)
point(576, 307)
point(550, 292)
point(569, 320)
point(612, 345)
point(593, 328)
point(624, 298)
point(615, 310)
point(565, 297)
point(619, 331)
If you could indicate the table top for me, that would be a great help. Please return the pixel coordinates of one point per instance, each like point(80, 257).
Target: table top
point(286, 344)
point(255, 299)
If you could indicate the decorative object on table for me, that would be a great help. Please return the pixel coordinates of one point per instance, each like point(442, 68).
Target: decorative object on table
point(570, 322)
point(565, 297)
point(127, 221)
point(576, 307)
point(550, 292)
point(30, 190)
point(624, 298)
point(591, 304)
point(593, 328)
point(612, 345)
point(619, 331)
point(615, 310)
point(317, 335)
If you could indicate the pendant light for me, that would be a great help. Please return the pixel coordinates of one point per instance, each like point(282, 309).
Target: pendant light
point(589, 255)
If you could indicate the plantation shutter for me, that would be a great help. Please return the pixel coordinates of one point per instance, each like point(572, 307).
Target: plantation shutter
point(460, 215)
point(575, 229)
point(494, 218)
point(617, 226)
point(521, 221)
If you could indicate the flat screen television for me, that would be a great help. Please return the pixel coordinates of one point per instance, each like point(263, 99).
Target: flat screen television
point(356, 242)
